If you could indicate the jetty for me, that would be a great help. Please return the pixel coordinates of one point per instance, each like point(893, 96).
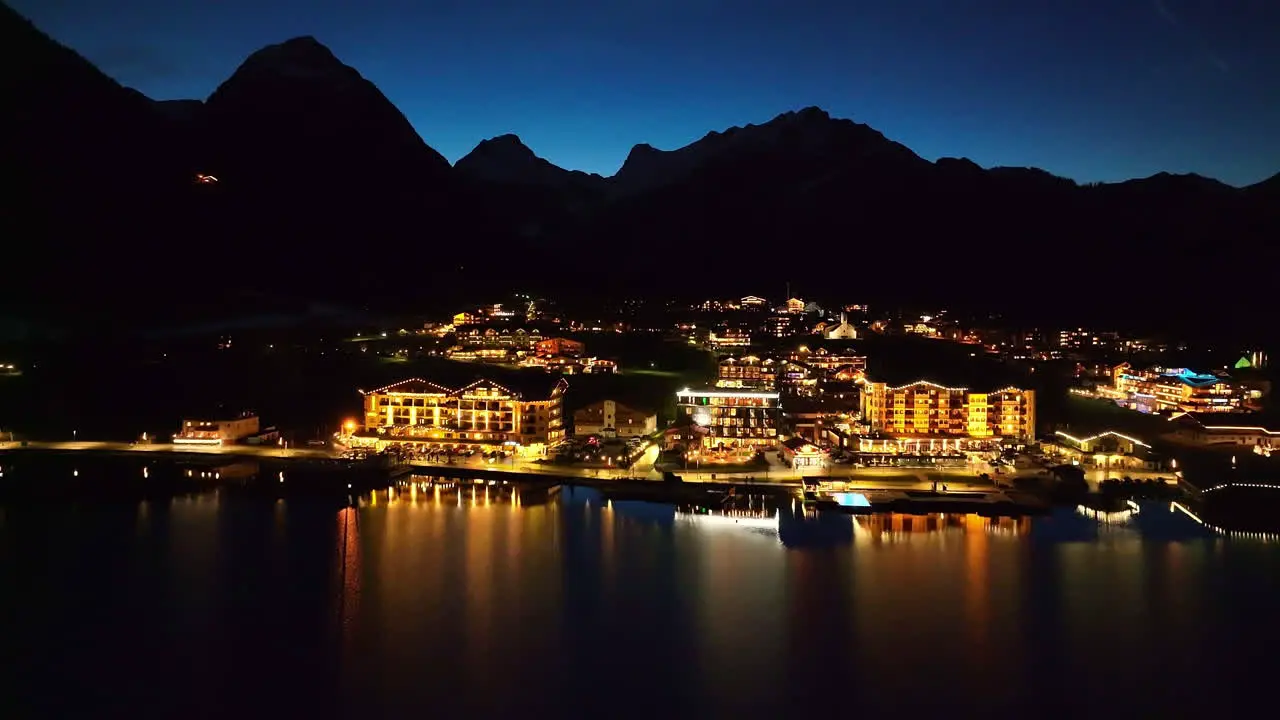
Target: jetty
point(995, 502)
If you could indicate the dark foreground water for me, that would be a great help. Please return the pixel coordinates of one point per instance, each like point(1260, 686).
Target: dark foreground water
point(462, 605)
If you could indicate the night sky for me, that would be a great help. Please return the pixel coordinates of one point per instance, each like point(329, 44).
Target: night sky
point(1090, 89)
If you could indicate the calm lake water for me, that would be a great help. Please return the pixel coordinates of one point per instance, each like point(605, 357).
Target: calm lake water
point(462, 605)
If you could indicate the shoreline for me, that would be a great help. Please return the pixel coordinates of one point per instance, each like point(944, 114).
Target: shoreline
point(312, 472)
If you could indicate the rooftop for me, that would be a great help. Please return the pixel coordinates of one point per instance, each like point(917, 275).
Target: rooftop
point(533, 385)
point(1266, 421)
point(725, 393)
point(1079, 438)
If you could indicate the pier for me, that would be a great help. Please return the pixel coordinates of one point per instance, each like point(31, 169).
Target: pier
point(986, 502)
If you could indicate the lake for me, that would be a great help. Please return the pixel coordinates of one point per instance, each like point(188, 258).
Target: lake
point(476, 602)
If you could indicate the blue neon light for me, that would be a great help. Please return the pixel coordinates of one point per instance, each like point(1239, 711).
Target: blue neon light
point(848, 499)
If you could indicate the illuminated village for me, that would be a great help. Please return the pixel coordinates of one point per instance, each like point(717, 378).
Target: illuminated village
point(864, 410)
point(795, 390)
point(754, 389)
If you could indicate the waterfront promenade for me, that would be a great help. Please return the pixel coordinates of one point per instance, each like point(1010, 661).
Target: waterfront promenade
point(860, 478)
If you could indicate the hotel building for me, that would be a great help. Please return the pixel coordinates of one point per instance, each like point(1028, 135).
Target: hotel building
point(792, 305)
point(1107, 449)
point(571, 365)
point(499, 338)
point(732, 418)
point(485, 413)
point(821, 372)
point(217, 432)
point(925, 410)
point(1227, 429)
point(834, 366)
point(559, 347)
point(729, 338)
point(782, 325)
point(747, 372)
point(1160, 390)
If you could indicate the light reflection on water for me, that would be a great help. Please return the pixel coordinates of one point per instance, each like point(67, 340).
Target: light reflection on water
point(484, 600)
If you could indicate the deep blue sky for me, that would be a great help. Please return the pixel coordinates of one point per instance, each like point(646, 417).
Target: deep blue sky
point(1090, 89)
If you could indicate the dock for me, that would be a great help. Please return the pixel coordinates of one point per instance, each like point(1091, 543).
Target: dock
point(1003, 503)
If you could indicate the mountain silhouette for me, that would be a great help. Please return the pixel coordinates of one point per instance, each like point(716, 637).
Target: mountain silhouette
point(505, 159)
point(294, 108)
point(94, 179)
point(325, 193)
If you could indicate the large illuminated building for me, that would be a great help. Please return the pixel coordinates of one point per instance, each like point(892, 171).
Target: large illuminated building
point(212, 431)
point(732, 418)
point(504, 338)
point(560, 347)
point(927, 412)
point(822, 373)
point(835, 365)
point(785, 324)
point(1229, 429)
point(1162, 390)
point(747, 372)
point(729, 337)
point(481, 415)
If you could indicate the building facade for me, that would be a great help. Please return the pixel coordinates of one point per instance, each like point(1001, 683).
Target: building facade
point(732, 418)
point(217, 432)
point(1108, 449)
point(925, 409)
point(560, 347)
point(748, 371)
point(729, 338)
point(499, 338)
point(570, 365)
point(833, 365)
point(843, 331)
point(798, 453)
point(425, 415)
point(613, 419)
point(1225, 429)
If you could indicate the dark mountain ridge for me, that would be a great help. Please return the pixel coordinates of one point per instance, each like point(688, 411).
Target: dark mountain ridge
point(326, 193)
point(94, 179)
point(505, 159)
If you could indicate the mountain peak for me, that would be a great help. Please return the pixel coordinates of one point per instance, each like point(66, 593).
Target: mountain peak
point(301, 57)
point(961, 164)
point(809, 133)
point(1177, 182)
point(1270, 185)
point(307, 42)
point(297, 103)
point(807, 114)
point(643, 149)
point(506, 159)
point(505, 143)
